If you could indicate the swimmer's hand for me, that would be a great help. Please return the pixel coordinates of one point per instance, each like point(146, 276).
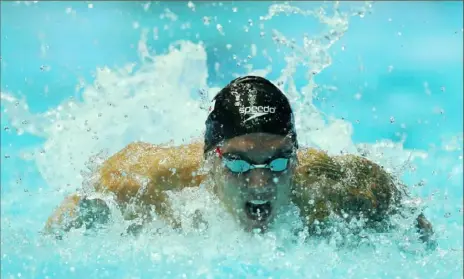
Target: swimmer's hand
point(76, 212)
point(425, 230)
point(92, 212)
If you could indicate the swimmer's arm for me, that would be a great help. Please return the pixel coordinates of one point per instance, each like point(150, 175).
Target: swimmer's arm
point(385, 195)
point(63, 216)
point(76, 211)
point(141, 173)
point(348, 185)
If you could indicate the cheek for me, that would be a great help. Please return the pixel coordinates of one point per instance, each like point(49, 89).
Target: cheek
point(226, 185)
point(284, 178)
point(283, 185)
point(231, 185)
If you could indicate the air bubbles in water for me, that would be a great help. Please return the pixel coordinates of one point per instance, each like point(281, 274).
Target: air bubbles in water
point(191, 5)
point(146, 6)
point(220, 29)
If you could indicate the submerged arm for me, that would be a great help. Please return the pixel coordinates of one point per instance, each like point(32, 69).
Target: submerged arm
point(76, 211)
point(138, 176)
point(349, 186)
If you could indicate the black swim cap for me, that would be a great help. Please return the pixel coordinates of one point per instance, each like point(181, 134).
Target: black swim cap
point(249, 104)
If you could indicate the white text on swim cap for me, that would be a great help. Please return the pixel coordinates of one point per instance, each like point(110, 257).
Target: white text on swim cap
point(256, 111)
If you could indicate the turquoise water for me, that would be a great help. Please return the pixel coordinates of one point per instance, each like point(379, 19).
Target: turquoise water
point(81, 77)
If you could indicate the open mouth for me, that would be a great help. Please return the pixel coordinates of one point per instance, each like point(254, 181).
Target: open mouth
point(258, 210)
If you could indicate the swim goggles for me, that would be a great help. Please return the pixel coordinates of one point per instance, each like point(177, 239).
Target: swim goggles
point(242, 166)
point(237, 165)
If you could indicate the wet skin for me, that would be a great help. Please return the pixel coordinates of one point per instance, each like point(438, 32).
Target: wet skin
point(243, 194)
point(314, 181)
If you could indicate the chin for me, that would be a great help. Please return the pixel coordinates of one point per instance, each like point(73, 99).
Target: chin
point(254, 226)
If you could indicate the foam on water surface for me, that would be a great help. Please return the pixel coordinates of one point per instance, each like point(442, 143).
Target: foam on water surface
point(153, 102)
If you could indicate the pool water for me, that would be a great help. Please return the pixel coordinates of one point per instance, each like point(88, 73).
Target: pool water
point(81, 80)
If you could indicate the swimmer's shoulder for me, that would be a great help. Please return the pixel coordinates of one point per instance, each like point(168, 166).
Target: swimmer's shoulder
point(160, 165)
point(314, 163)
point(318, 162)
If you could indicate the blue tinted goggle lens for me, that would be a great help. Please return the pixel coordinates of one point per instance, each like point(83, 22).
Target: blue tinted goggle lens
point(238, 166)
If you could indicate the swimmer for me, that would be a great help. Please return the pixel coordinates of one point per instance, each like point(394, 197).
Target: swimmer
point(253, 164)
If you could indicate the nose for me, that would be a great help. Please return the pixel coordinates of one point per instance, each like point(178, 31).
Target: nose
point(258, 178)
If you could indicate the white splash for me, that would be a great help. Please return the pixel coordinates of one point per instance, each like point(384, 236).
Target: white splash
point(154, 104)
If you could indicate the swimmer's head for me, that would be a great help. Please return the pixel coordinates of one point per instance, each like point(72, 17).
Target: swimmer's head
point(251, 141)
point(248, 105)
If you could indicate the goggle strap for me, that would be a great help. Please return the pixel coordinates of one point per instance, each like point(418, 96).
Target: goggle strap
point(218, 152)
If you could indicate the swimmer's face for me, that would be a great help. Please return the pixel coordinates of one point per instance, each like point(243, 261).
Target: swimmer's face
point(254, 196)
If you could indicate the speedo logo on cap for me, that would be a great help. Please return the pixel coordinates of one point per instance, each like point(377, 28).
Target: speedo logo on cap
point(256, 111)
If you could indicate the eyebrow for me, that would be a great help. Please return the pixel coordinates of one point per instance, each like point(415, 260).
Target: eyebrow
point(243, 155)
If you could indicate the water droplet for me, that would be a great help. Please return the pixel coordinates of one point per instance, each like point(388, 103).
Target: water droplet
point(191, 5)
point(90, 6)
point(219, 28)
